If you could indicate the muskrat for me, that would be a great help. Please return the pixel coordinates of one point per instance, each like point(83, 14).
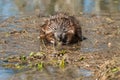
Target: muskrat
point(61, 28)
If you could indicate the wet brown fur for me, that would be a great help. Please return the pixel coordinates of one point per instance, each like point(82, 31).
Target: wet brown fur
point(69, 23)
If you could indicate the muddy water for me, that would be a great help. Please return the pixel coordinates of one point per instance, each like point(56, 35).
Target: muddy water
point(19, 31)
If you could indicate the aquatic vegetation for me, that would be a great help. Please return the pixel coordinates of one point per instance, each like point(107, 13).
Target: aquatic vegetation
point(63, 52)
point(115, 69)
point(62, 63)
point(31, 54)
point(81, 58)
point(39, 66)
point(23, 58)
point(35, 60)
point(18, 66)
point(110, 70)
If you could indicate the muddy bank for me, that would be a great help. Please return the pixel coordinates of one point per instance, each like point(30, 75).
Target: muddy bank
point(21, 49)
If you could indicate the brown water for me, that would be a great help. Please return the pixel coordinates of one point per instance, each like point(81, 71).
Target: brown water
point(19, 29)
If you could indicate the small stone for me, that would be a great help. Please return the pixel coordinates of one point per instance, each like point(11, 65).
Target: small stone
point(109, 44)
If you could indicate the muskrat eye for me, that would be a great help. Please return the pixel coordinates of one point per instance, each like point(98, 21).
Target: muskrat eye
point(55, 28)
point(64, 29)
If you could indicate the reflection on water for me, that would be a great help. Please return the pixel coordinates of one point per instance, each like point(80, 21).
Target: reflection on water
point(8, 8)
point(13, 7)
point(10, 28)
point(52, 73)
point(85, 72)
point(73, 6)
point(88, 6)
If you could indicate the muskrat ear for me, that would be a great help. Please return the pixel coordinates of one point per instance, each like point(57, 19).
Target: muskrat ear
point(43, 20)
point(43, 27)
point(46, 21)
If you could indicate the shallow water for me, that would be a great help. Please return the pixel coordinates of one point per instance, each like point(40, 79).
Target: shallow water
point(22, 44)
point(5, 73)
point(52, 73)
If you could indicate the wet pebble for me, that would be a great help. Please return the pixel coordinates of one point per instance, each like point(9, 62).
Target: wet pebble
point(53, 55)
point(109, 44)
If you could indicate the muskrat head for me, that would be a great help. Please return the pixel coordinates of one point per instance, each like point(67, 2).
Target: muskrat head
point(62, 30)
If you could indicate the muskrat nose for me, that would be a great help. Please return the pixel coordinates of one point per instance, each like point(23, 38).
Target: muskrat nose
point(60, 36)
